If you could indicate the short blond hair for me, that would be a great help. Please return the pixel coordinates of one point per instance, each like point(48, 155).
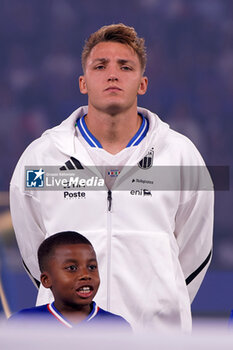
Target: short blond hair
point(116, 33)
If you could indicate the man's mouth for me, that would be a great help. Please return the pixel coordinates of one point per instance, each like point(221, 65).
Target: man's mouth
point(112, 88)
point(85, 291)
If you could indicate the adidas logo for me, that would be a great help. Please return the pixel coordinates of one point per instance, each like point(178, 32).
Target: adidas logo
point(72, 164)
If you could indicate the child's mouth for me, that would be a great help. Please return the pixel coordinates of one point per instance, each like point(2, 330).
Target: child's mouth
point(85, 291)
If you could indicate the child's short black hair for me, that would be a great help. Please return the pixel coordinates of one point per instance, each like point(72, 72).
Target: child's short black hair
point(46, 248)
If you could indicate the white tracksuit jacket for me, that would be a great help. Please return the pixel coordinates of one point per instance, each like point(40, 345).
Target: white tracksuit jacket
point(153, 250)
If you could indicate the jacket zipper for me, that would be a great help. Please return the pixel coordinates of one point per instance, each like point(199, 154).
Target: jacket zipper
point(109, 245)
point(109, 200)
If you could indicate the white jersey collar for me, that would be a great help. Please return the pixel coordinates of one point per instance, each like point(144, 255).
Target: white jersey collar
point(93, 142)
point(52, 309)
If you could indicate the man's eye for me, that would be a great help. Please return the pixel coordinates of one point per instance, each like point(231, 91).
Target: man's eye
point(99, 67)
point(126, 68)
point(71, 268)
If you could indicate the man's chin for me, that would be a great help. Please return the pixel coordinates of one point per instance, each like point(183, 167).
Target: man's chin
point(114, 109)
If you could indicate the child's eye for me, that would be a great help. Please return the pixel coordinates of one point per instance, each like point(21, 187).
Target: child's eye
point(71, 268)
point(92, 267)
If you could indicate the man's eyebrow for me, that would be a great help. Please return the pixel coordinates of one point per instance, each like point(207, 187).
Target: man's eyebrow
point(100, 60)
point(119, 60)
point(123, 61)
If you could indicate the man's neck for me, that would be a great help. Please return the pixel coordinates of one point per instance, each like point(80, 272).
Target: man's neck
point(113, 132)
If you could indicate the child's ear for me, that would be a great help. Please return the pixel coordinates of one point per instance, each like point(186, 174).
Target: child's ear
point(45, 280)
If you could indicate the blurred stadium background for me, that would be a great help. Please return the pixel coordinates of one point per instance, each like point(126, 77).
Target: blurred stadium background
point(190, 70)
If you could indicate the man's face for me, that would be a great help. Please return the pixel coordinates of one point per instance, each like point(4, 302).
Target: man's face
point(113, 78)
point(72, 276)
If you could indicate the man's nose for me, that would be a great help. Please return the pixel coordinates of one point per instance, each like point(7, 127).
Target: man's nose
point(112, 77)
point(112, 73)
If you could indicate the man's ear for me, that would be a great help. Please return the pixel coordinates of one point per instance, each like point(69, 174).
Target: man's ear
point(46, 280)
point(143, 86)
point(82, 85)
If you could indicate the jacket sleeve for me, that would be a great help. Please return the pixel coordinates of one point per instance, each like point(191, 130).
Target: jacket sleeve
point(28, 226)
point(194, 230)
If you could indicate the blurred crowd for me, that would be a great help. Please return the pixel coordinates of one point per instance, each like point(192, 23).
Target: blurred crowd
point(190, 69)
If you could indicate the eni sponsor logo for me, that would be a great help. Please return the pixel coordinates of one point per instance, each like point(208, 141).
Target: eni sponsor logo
point(141, 192)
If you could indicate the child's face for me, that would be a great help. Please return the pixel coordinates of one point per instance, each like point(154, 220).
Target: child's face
point(72, 276)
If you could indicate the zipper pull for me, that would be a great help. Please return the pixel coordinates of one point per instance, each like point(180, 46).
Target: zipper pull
point(109, 200)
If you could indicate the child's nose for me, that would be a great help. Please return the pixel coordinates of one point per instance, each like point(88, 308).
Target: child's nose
point(84, 274)
point(85, 277)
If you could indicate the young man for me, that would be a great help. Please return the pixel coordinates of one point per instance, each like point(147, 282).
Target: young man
point(154, 246)
point(69, 269)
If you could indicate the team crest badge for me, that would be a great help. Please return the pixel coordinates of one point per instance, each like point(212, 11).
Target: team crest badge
point(147, 161)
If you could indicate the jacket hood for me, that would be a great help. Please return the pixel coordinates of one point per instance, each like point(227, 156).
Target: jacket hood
point(63, 135)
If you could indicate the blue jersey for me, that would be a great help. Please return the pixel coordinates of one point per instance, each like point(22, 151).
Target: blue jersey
point(49, 313)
